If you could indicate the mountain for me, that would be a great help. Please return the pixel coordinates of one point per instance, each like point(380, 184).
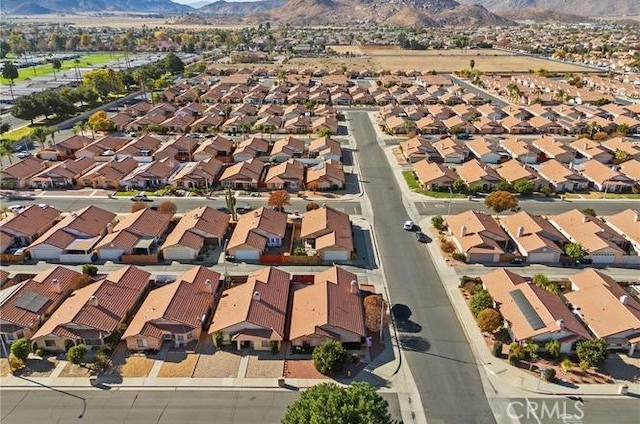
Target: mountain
point(391, 12)
point(543, 15)
point(592, 8)
point(239, 8)
point(19, 7)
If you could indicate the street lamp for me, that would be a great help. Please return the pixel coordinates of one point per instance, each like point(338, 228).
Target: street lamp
point(450, 200)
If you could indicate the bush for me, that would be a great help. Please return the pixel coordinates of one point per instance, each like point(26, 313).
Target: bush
point(39, 353)
point(299, 251)
point(90, 270)
point(592, 352)
point(549, 375)
point(20, 349)
point(105, 350)
point(329, 357)
point(438, 222)
point(480, 301)
point(218, 339)
point(496, 349)
point(459, 256)
point(16, 364)
point(76, 354)
point(566, 364)
point(489, 320)
point(447, 246)
point(513, 359)
point(275, 347)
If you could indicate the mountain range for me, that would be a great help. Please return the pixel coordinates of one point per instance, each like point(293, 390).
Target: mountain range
point(239, 8)
point(592, 8)
point(21, 7)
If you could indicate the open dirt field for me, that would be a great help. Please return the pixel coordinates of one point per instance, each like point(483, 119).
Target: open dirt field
point(115, 21)
point(487, 60)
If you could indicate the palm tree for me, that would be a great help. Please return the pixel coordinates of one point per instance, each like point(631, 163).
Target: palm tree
point(531, 348)
point(40, 134)
point(6, 149)
point(80, 127)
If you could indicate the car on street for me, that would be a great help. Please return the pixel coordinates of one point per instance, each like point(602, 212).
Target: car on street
point(517, 261)
point(223, 209)
point(422, 237)
point(408, 225)
point(24, 154)
point(15, 208)
point(140, 197)
point(241, 210)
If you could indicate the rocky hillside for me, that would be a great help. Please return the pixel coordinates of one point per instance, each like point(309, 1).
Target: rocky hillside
point(543, 15)
point(593, 8)
point(20, 7)
point(239, 8)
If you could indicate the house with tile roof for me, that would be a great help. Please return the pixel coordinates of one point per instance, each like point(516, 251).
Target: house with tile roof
point(175, 312)
point(253, 147)
point(450, 150)
point(108, 175)
point(138, 233)
point(326, 232)
point(476, 174)
point(141, 149)
point(149, 175)
point(536, 239)
point(202, 174)
point(93, 313)
point(521, 150)
point(325, 148)
point(19, 230)
point(287, 148)
point(591, 149)
point(20, 173)
point(418, 148)
point(512, 171)
point(609, 312)
point(243, 175)
point(330, 308)
point(627, 224)
point(605, 177)
point(25, 305)
point(631, 148)
point(434, 176)
point(561, 177)
point(103, 149)
point(484, 150)
point(62, 174)
point(217, 147)
point(601, 243)
point(631, 169)
point(478, 236)
point(253, 315)
point(531, 312)
point(73, 239)
point(287, 175)
point(255, 232)
point(197, 230)
point(553, 149)
point(327, 175)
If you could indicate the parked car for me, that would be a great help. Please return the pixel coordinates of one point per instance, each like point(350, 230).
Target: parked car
point(408, 225)
point(422, 237)
point(517, 261)
point(15, 208)
point(140, 197)
point(241, 210)
point(223, 209)
point(24, 154)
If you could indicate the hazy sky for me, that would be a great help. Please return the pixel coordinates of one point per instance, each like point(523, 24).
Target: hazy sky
point(197, 1)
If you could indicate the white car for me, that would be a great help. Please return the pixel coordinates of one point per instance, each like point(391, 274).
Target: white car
point(408, 225)
point(140, 197)
point(24, 154)
point(15, 208)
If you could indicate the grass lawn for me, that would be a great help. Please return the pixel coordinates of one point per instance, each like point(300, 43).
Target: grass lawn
point(17, 135)
point(136, 366)
point(127, 193)
point(412, 182)
point(87, 60)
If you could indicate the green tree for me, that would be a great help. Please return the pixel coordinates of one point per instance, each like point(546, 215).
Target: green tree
point(593, 352)
point(524, 187)
point(553, 348)
point(324, 132)
point(329, 357)
point(5, 127)
point(20, 349)
point(621, 155)
point(531, 349)
point(328, 403)
point(438, 222)
point(459, 186)
point(10, 72)
point(104, 82)
point(40, 134)
point(589, 211)
point(56, 65)
point(540, 280)
point(27, 107)
point(76, 354)
point(575, 251)
point(500, 201)
point(173, 64)
point(504, 186)
point(489, 320)
point(6, 149)
point(480, 301)
point(90, 269)
point(80, 127)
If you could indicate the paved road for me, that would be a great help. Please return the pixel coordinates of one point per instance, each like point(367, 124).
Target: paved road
point(571, 411)
point(495, 100)
point(439, 355)
point(123, 205)
point(151, 406)
point(541, 207)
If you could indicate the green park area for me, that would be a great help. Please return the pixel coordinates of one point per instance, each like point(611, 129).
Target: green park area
point(89, 59)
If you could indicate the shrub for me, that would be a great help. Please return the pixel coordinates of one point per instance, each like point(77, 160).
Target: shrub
point(329, 357)
point(39, 353)
point(275, 347)
point(513, 359)
point(546, 190)
point(76, 354)
point(480, 301)
point(553, 348)
point(516, 350)
point(300, 251)
point(566, 364)
point(496, 349)
point(549, 375)
point(16, 364)
point(218, 339)
point(489, 320)
point(90, 270)
point(459, 256)
point(438, 222)
point(584, 366)
point(105, 350)
point(20, 349)
point(447, 246)
point(593, 352)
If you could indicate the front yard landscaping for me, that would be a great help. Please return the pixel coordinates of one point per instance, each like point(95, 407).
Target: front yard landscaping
point(221, 364)
point(136, 366)
point(178, 364)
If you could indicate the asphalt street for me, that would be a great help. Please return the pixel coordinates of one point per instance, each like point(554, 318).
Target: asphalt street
point(495, 100)
point(123, 204)
point(436, 349)
point(151, 406)
point(570, 410)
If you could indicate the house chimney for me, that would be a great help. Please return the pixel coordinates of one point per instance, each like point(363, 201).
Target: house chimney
point(109, 228)
point(584, 219)
point(56, 285)
point(256, 296)
point(636, 216)
point(561, 323)
point(93, 300)
point(624, 299)
point(520, 231)
point(463, 231)
point(208, 287)
point(355, 287)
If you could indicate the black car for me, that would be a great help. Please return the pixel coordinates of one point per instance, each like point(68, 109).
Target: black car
point(240, 210)
point(223, 209)
point(422, 237)
point(517, 261)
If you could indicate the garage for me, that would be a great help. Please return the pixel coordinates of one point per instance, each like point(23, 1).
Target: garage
point(336, 255)
point(483, 257)
point(543, 257)
point(602, 258)
point(246, 255)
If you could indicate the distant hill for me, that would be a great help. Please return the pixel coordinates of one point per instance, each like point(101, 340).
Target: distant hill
point(394, 12)
point(19, 7)
point(592, 8)
point(239, 8)
point(543, 15)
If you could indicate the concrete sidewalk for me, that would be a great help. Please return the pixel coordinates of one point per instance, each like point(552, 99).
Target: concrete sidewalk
point(508, 381)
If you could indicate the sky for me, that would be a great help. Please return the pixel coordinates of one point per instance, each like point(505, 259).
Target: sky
point(197, 1)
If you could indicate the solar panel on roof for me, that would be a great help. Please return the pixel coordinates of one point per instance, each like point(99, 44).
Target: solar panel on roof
point(32, 302)
point(527, 310)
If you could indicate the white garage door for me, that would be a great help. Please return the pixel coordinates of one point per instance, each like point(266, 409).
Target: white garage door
point(247, 255)
point(538, 258)
point(336, 256)
point(603, 259)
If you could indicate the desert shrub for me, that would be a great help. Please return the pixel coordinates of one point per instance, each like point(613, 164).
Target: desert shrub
point(459, 256)
point(16, 364)
point(496, 349)
point(39, 353)
point(480, 301)
point(20, 349)
point(549, 375)
point(489, 320)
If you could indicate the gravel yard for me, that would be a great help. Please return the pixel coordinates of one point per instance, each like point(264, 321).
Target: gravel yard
point(265, 366)
point(221, 364)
